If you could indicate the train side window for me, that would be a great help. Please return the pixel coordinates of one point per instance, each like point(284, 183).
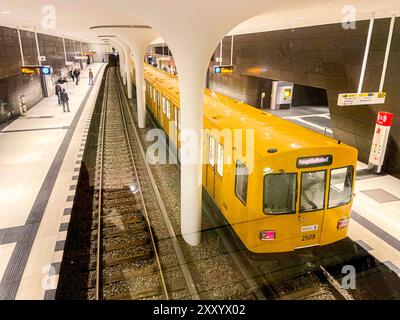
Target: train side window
point(154, 95)
point(168, 109)
point(312, 194)
point(241, 181)
point(164, 104)
point(340, 186)
point(280, 191)
point(176, 116)
point(211, 151)
point(220, 159)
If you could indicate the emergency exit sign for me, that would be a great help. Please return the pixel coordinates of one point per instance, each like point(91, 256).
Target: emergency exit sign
point(357, 99)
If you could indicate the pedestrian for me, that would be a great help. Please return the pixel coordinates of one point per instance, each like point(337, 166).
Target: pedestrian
point(71, 74)
point(77, 73)
point(58, 92)
point(65, 100)
point(22, 105)
point(90, 77)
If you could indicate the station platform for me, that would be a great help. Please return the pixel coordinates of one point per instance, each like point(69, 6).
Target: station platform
point(375, 219)
point(41, 158)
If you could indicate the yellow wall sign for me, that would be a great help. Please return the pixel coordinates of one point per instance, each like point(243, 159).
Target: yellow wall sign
point(26, 70)
point(365, 98)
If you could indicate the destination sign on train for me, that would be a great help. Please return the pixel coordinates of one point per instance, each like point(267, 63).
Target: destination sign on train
point(356, 99)
point(309, 162)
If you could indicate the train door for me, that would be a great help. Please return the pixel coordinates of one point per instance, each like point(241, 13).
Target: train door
point(211, 164)
point(155, 102)
point(163, 108)
point(175, 139)
point(311, 207)
point(215, 170)
point(218, 176)
point(159, 108)
point(168, 114)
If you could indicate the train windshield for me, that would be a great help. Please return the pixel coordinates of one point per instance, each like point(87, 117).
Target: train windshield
point(312, 193)
point(340, 188)
point(280, 193)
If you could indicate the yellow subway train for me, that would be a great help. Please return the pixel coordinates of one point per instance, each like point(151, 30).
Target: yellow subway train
point(296, 192)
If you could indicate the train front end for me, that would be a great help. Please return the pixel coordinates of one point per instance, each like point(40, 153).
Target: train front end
point(304, 199)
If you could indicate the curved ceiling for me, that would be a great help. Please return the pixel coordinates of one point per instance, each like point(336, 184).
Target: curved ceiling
point(74, 18)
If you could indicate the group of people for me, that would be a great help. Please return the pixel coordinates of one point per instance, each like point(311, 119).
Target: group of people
point(74, 74)
point(63, 98)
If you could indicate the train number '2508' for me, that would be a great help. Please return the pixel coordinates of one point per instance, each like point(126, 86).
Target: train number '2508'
point(307, 237)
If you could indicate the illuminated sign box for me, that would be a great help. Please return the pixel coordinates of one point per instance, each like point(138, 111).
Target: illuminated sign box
point(310, 162)
point(357, 99)
point(223, 69)
point(36, 70)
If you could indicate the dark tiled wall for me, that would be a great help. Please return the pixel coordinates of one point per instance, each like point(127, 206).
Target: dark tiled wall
point(242, 87)
point(12, 83)
point(326, 57)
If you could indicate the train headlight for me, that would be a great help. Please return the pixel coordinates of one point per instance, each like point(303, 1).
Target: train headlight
point(343, 223)
point(267, 235)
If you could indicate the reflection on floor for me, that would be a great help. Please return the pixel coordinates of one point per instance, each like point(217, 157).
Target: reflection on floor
point(314, 118)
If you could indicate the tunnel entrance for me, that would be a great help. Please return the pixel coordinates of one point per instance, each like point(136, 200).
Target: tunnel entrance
point(303, 105)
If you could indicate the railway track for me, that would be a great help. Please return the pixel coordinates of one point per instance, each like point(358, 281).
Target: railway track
point(119, 245)
point(126, 247)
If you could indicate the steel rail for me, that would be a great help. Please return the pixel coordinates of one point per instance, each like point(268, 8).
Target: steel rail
point(236, 256)
point(153, 243)
point(100, 186)
point(177, 247)
point(336, 285)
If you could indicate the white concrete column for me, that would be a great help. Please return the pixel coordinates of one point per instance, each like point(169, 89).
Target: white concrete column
point(122, 62)
point(129, 78)
point(125, 64)
point(140, 89)
point(191, 83)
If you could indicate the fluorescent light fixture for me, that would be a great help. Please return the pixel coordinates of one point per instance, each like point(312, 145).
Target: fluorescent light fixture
point(5, 12)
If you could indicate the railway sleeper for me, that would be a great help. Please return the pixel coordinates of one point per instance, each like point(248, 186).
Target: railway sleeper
point(132, 200)
point(145, 255)
point(122, 220)
point(131, 274)
point(132, 228)
point(126, 245)
point(132, 295)
point(122, 210)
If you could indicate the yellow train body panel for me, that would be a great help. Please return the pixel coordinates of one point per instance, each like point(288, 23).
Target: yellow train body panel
point(299, 191)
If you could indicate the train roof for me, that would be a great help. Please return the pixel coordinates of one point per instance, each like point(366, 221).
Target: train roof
point(224, 112)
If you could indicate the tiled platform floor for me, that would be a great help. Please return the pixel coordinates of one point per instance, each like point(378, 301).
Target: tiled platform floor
point(40, 155)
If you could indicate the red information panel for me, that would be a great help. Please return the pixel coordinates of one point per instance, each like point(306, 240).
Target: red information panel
point(384, 118)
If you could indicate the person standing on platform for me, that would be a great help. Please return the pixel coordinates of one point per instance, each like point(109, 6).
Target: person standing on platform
point(71, 74)
point(65, 100)
point(22, 105)
point(90, 77)
point(77, 73)
point(58, 92)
